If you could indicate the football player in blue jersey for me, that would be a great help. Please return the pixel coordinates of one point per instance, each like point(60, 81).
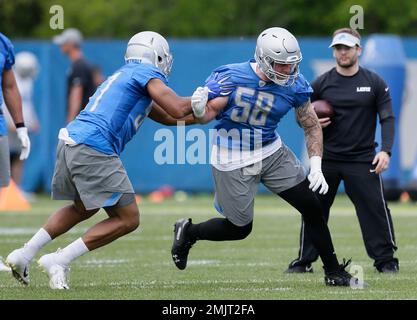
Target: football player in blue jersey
point(88, 169)
point(247, 150)
point(10, 92)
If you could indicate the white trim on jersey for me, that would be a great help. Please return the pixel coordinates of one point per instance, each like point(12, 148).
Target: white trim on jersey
point(224, 159)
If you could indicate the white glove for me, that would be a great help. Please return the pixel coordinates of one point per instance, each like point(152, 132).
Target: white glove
point(316, 177)
point(22, 134)
point(199, 101)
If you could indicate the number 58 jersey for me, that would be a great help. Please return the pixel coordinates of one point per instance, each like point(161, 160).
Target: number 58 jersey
point(255, 107)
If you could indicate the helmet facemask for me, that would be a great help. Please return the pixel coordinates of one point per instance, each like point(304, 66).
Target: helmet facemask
point(165, 63)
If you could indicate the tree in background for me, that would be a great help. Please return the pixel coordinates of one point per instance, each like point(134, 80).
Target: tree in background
point(204, 18)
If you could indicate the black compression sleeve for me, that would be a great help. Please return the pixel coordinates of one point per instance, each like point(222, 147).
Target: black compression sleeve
point(219, 229)
point(387, 134)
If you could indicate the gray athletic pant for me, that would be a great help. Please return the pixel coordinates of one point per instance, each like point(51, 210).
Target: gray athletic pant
point(4, 161)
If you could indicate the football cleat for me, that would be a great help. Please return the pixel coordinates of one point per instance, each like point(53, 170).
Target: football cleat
point(57, 274)
point(181, 244)
point(19, 266)
point(341, 277)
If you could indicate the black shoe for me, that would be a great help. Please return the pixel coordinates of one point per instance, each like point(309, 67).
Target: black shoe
point(182, 243)
point(341, 277)
point(389, 266)
point(301, 268)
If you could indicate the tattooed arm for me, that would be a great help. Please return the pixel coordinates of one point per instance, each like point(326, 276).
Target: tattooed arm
point(308, 120)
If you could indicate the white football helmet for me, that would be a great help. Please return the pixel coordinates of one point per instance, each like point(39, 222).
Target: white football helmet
point(26, 64)
point(150, 47)
point(278, 45)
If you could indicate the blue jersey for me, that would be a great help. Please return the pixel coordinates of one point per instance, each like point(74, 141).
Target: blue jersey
point(116, 110)
point(255, 107)
point(6, 62)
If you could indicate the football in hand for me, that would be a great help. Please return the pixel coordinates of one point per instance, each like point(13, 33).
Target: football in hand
point(323, 109)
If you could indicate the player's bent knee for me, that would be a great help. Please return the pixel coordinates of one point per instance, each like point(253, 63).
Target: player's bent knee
point(314, 206)
point(241, 232)
point(134, 223)
point(130, 219)
point(246, 230)
point(313, 215)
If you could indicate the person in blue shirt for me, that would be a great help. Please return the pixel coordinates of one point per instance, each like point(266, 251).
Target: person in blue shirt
point(88, 169)
point(9, 92)
point(248, 150)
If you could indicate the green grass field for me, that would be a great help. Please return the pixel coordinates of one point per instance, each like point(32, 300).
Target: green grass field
point(139, 265)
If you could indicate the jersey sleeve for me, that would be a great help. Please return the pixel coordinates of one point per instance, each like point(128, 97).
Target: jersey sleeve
point(219, 72)
point(9, 52)
point(146, 73)
point(214, 79)
point(303, 91)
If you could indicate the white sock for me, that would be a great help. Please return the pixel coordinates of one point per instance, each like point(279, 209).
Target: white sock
point(32, 247)
point(71, 251)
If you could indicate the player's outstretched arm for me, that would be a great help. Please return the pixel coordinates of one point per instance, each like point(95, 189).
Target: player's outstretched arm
point(176, 106)
point(204, 110)
point(12, 96)
point(13, 102)
point(308, 120)
point(159, 115)
point(213, 108)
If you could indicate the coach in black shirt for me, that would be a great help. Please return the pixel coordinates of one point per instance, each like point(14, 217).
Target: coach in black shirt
point(80, 82)
point(358, 96)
